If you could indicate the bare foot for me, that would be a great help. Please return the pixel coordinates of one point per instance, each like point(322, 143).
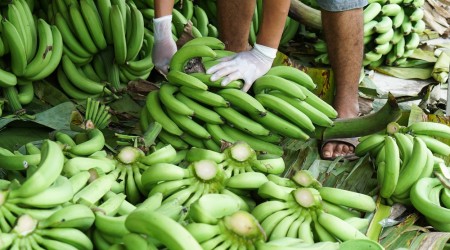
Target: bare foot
point(345, 146)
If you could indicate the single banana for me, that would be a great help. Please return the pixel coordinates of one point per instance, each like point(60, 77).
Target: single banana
point(243, 100)
point(180, 78)
point(116, 19)
point(384, 25)
point(95, 142)
point(255, 143)
point(49, 168)
point(339, 228)
point(79, 164)
point(44, 51)
point(204, 96)
point(281, 126)
point(358, 201)
point(287, 110)
point(79, 80)
point(173, 140)
point(70, 216)
point(430, 129)
point(371, 11)
point(181, 57)
point(405, 145)
point(188, 125)
point(206, 79)
point(56, 194)
point(247, 180)
point(316, 116)
point(166, 95)
point(293, 74)
point(413, 168)
point(392, 168)
point(71, 236)
point(94, 24)
point(201, 112)
point(272, 82)
point(16, 47)
point(165, 230)
point(158, 114)
point(210, 208)
point(134, 44)
point(212, 42)
point(81, 29)
point(241, 121)
point(420, 199)
point(96, 189)
point(162, 155)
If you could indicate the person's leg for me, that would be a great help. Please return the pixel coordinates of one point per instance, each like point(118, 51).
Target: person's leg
point(344, 36)
point(234, 17)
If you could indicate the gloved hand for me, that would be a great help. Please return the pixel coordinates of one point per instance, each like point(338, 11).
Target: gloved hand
point(164, 46)
point(247, 65)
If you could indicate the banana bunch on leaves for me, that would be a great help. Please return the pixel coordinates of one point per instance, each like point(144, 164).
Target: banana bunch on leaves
point(106, 45)
point(204, 114)
point(116, 226)
point(392, 30)
point(236, 170)
point(36, 210)
point(300, 207)
point(31, 50)
point(431, 197)
point(404, 156)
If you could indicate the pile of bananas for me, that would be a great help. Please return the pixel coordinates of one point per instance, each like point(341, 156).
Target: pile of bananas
point(237, 170)
point(72, 186)
point(432, 199)
point(30, 50)
point(392, 30)
point(404, 156)
point(204, 114)
point(301, 208)
point(106, 45)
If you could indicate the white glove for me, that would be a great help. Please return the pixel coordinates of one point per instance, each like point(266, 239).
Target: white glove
point(164, 46)
point(247, 65)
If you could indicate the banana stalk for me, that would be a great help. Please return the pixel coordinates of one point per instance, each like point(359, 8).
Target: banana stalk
point(305, 14)
point(361, 126)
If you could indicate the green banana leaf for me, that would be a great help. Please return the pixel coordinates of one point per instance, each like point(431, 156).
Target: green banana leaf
point(406, 73)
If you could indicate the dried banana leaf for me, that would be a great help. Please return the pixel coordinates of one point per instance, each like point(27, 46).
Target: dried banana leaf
point(406, 73)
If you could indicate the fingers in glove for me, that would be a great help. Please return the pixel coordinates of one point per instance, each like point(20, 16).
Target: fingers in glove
point(221, 70)
point(247, 85)
point(231, 77)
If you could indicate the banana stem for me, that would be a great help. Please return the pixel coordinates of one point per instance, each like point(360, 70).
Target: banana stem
point(25, 225)
point(305, 14)
point(243, 224)
point(307, 197)
point(361, 126)
point(241, 152)
point(205, 169)
point(304, 178)
point(129, 155)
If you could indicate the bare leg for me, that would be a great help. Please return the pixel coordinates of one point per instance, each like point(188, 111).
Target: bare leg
point(234, 18)
point(344, 34)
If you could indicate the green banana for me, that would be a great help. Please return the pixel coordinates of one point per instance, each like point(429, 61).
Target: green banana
point(179, 78)
point(157, 113)
point(243, 100)
point(392, 168)
point(241, 121)
point(413, 168)
point(166, 95)
point(293, 74)
point(181, 57)
point(200, 112)
point(49, 168)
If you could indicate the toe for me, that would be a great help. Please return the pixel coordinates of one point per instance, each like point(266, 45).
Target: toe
point(328, 150)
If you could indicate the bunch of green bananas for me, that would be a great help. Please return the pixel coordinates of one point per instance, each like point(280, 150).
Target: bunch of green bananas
point(236, 170)
point(404, 155)
point(112, 224)
point(300, 207)
point(431, 197)
point(63, 229)
point(97, 61)
point(34, 49)
point(392, 30)
point(203, 113)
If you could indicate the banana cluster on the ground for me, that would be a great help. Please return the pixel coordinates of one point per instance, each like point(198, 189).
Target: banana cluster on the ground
point(300, 207)
point(204, 114)
point(405, 155)
point(72, 186)
point(392, 30)
point(30, 50)
point(106, 45)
